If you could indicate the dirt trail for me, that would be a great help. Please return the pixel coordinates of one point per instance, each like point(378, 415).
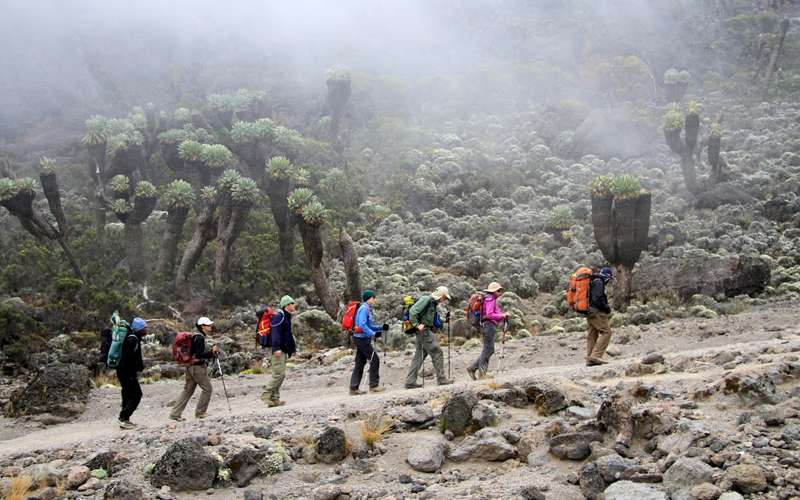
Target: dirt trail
point(314, 392)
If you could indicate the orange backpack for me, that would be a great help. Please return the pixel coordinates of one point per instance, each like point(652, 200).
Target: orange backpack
point(349, 318)
point(264, 329)
point(578, 290)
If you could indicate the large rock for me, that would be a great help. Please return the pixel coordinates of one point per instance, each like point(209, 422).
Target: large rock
point(417, 415)
point(573, 445)
point(700, 272)
point(331, 445)
point(686, 473)
point(123, 490)
point(59, 389)
point(613, 466)
point(316, 327)
point(723, 194)
point(244, 465)
point(185, 466)
point(628, 490)
point(613, 132)
point(76, 476)
point(427, 455)
point(486, 444)
point(483, 415)
point(747, 478)
point(591, 481)
point(547, 397)
point(457, 412)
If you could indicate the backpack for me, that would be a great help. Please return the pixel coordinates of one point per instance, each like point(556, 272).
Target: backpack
point(474, 309)
point(182, 348)
point(119, 331)
point(105, 344)
point(349, 317)
point(408, 328)
point(578, 290)
point(264, 328)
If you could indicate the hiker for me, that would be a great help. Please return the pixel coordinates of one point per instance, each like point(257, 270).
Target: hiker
point(598, 319)
point(283, 347)
point(364, 332)
point(491, 315)
point(130, 364)
point(197, 372)
point(423, 314)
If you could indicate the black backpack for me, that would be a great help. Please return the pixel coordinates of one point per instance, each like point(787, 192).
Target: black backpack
point(105, 344)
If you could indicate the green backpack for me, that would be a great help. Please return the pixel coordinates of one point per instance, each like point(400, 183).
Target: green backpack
point(119, 331)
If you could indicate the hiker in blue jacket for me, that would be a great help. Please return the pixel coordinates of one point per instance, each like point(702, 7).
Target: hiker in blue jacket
point(364, 332)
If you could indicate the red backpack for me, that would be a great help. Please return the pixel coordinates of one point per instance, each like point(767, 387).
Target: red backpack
point(264, 329)
point(182, 349)
point(474, 309)
point(578, 290)
point(349, 318)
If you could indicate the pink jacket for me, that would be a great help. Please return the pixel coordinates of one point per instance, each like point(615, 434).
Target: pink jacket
point(491, 309)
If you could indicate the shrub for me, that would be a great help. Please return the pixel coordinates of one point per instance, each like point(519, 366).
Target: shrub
point(374, 427)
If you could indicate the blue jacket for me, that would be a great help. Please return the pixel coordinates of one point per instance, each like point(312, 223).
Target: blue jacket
point(281, 333)
point(366, 322)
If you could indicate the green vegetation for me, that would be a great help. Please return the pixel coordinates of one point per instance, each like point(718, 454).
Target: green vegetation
point(673, 119)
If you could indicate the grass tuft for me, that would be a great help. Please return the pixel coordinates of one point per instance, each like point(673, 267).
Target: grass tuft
point(374, 428)
point(18, 489)
point(104, 378)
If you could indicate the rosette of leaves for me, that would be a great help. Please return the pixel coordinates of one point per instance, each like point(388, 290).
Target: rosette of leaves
point(96, 131)
point(178, 193)
point(47, 166)
point(215, 156)
point(121, 207)
point(260, 130)
point(280, 168)
point(122, 135)
point(120, 186)
point(676, 83)
point(244, 191)
point(190, 150)
point(228, 178)
point(684, 147)
point(145, 189)
point(621, 222)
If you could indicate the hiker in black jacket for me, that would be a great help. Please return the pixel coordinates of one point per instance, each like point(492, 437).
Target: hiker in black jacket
point(130, 364)
point(599, 319)
point(197, 373)
point(283, 347)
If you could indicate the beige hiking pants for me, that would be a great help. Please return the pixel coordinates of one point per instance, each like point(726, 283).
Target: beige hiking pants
point(195, 375)
point(599, 334)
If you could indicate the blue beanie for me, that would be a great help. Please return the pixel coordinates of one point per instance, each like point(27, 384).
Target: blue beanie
point(607, 272)
point(138, 324)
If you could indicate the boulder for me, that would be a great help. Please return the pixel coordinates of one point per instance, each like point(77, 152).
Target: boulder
point(331, 445)
point(747, 478)
point(483, 415)
point(486, 444)
point(547, 397)
point(123, 490)
point(591, 481)
point(57, 388)
point(104, 459)
point(76, 476)
point(457, 412)
point(730, 495)
point(417, 415)
point(244, 465)
point(686, 473)
point(722, 194)
point(613, 132)
point(628, 490)
point(317, 328)
point(653, 358)
point(573, 445)
point(613, 466)
point(580, 412)
point(185, 466)
point(704, 491)
point(531, 492)
point(427, 455)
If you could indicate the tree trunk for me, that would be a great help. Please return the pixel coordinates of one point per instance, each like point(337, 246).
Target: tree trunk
point(53, 195)
point(689, 174)
point(602, 223)
point(205, 230)
point(176, 218)
point(76, 269)
point(776, 52)
point(314, 251)
point(278, 191)
point(622, 288)
point(350, 261)
point(227, 236)
point(134, 246)
point(715, 160)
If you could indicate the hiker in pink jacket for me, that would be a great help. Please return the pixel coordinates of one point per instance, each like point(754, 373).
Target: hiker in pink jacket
point(491, 316)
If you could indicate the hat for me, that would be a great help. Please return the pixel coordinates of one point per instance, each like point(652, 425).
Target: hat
point(138, 324)
point(286, 300)
point(366, 295)
point(204, 322)
point(493, 287)
point(441, 292)
point(607, 273)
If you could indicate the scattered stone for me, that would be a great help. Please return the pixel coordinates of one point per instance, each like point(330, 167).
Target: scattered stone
point(331, 445)
point(573, 445)
point(653, 358)
point(253, 495)
point(686, 473)
point(92, 484)
point(531, 493)
point(244, 465)
point(486, 444)
point(628, 490)
point(580, 412)
point(613, 466)
point(327, 492)
point(457, 412)
point(591, 481)
point(263, 432)
point(57, 388)
point(747, 478)
point(417, 415)
point(547, 398)
point(76, 476)
point(426, 456)
point(165, 493)
point(483, 415)
point(704, 491)
point(730, 495)
point(123, 490)
point(185, 466)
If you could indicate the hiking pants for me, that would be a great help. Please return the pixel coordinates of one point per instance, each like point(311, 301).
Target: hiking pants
point(599, 334)
point(365, 353)
point(273, 389)
point(489, 334)
point(426, 346)
point(131, 393)
point(195, 375)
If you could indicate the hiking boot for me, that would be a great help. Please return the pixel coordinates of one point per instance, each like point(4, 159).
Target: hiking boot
point(446, 381)
point(126, 425)
point(471, 374)
point(356, 392)
point(377, 388)
point(200, 416)
point(177, 419)
point(413, 386)
point(597, 361)
point(274, 402)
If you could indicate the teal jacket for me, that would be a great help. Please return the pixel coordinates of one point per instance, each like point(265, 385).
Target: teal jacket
point(423, 311)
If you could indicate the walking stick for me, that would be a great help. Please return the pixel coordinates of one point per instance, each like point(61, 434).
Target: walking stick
point(449, 341)
point(224, 389)
point(503, 345)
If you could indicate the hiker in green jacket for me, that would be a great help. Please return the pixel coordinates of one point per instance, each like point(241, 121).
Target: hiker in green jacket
point(424, 315)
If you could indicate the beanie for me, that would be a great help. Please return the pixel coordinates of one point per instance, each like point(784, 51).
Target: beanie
point(366, 295)
point(286, 300)
point(607, 272)
point(138, 324)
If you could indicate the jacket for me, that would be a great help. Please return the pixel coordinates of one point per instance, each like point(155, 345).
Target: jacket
point(598, 301)
point(423, 311)
point(281, 333)
point(491, 310)
point(366, 322)
point(130, 361)
point(198, 349)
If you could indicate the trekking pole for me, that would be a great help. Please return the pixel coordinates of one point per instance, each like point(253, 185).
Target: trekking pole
point(449, 341)
point(224, 389)
point(503, 345)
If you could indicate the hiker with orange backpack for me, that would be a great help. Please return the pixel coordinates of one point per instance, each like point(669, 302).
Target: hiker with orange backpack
point(489, 315)
point(197, 372)
point(586, 295)
point(364, 331)
point(283, 347)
